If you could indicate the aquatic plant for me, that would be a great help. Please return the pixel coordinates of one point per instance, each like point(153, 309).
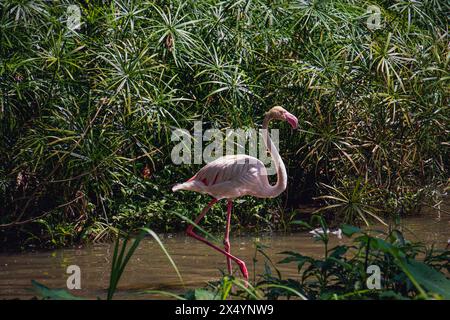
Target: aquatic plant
point(408, 270)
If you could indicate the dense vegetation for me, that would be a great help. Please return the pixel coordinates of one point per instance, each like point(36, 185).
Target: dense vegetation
point(86, 115)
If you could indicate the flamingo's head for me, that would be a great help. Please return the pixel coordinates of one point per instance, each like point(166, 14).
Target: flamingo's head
point(280, 113)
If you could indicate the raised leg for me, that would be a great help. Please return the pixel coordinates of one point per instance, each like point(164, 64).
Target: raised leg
point(227, 236)
point(190, 232)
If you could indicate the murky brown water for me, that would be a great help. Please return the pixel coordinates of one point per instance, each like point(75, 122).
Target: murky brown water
point(149, 268)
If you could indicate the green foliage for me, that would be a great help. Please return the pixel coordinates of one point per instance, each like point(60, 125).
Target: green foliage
point(352, 202)
point(54, 294)
point(342, 272)
point(83, 113)
point(122, 256)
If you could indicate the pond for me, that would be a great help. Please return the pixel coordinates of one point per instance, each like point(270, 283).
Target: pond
point(149, 268)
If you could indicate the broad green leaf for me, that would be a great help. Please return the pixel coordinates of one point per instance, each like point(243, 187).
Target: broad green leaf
point(429, 278)
point(202, 294)
point(55, 294)
point(349, 230)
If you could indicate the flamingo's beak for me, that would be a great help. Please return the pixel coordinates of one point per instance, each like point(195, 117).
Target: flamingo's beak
point(291, 119)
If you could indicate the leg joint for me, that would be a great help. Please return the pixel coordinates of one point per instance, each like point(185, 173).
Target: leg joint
point(189, 231)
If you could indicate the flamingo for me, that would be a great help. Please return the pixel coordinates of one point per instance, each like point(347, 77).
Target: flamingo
point(233, 176)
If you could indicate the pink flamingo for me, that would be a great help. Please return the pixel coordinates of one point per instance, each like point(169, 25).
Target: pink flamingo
point(230, 177)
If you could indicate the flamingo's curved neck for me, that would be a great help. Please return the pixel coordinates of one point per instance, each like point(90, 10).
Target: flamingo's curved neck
point(280, 186)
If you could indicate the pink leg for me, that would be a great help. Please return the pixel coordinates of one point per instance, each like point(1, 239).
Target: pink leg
point(191, 233)
point(227, 236)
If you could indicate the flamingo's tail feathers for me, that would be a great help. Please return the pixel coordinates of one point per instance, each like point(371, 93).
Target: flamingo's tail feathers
point(188, 185)
point(179, 186)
